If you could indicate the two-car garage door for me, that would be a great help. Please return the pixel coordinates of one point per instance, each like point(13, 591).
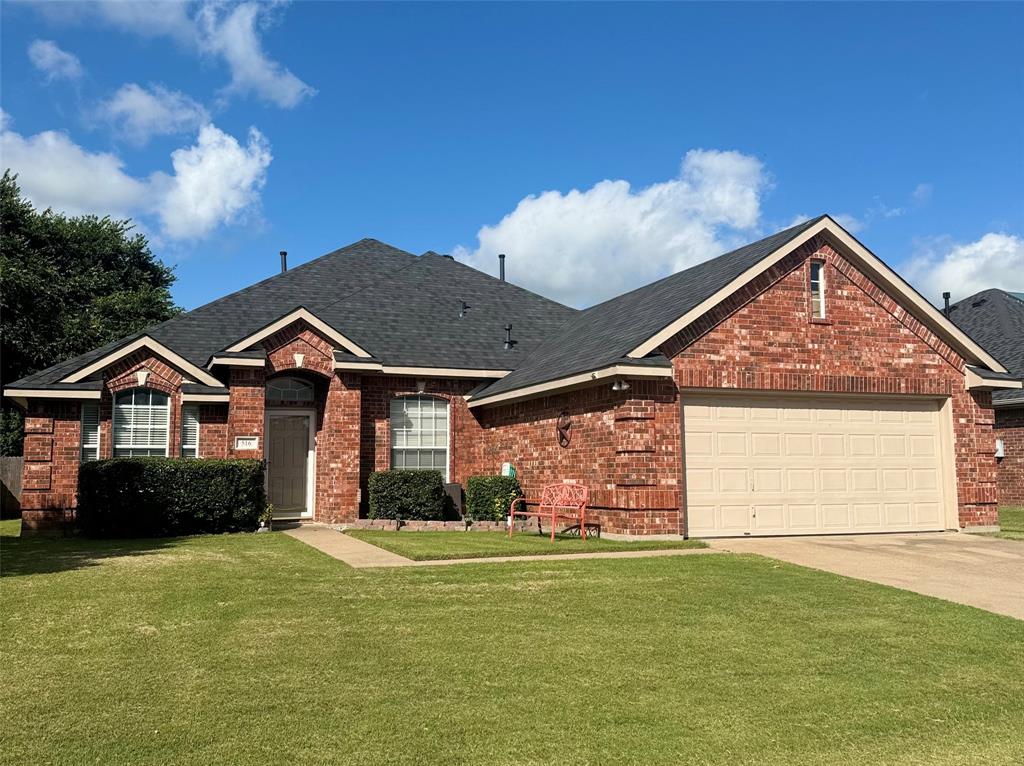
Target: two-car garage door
point(813, 465)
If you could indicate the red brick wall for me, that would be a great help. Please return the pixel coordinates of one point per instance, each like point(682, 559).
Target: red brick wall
point(1010, 428)
point(868, 344)
point(375, 428)
point(245, 409)
point(213, 430)
point(624, 446)
point(52, 444)
point(337, 451)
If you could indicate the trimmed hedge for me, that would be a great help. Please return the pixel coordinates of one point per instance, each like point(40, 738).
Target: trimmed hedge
point(160, 496)
point(488, 498)
point(415, 495)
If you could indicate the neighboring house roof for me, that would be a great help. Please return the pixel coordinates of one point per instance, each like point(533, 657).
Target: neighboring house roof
point(995, 319)
point(403, 309)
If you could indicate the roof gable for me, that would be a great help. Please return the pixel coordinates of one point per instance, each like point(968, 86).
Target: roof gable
point(633, 326)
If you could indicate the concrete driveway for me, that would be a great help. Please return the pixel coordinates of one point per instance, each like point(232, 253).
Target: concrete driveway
point(979, 571)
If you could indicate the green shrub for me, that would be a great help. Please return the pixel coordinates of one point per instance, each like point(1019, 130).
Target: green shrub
point(415, 495)
point(159, 496)
point(488, 498)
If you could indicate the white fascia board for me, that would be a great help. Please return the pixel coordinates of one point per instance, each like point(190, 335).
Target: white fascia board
point(574, 381)
point(311, 319)
point(973, 381)
point(234, 361)
point(444, 372)
point(157, 348)
point(888, 279)
point(50, 393)
point(207, 398)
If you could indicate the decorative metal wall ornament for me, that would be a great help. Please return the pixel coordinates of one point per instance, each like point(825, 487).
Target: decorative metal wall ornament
point(563, 427)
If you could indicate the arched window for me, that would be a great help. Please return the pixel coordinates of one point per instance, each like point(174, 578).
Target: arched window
point(142, 419)
point(419, 434)
point(289, 390)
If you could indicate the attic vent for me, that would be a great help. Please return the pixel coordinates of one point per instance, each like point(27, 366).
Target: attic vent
point(463, 308)
point(509, 343)
point(979, 303)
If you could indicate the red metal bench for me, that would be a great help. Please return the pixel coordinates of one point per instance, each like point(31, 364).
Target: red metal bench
point(557, 501)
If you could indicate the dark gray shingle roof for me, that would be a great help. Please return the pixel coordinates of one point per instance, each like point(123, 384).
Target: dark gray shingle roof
point(402, 308)
point(995, 320)
point(603, 334)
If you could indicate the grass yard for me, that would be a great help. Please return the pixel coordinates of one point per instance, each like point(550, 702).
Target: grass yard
point(427, 546)
point(1011, 523)
point(255, 649)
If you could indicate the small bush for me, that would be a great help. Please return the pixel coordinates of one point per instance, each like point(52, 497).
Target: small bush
point(159, 496)
point(488, 497)
point(415, 495)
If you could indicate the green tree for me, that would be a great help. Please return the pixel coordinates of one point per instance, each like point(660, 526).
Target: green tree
point(67, 285)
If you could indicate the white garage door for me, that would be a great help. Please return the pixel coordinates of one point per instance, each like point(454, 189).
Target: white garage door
point(812, 465)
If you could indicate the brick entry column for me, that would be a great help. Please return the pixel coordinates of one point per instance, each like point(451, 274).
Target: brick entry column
point(245, 410)
point(337, 452)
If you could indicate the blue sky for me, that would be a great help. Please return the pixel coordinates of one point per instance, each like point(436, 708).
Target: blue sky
point(231, 131)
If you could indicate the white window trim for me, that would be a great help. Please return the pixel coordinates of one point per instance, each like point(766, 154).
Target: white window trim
point(181, 427)
point(99, 428)
point(821, 288)
point(113, 422)
point(448, 435)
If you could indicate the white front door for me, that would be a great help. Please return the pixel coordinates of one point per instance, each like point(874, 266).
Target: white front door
point(289, 462)
point(792, 465)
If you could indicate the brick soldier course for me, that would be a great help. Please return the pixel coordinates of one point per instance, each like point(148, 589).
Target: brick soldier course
point(370, 324)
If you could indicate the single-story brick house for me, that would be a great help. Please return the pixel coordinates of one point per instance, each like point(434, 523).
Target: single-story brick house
point(995, 318)
point(795, 385)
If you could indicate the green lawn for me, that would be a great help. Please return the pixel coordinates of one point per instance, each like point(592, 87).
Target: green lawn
point(10, 527)
point(255, 649)
point(426, 546)
point(1011, 523)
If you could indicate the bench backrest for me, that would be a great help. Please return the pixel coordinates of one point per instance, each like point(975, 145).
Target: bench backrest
point(564, 496)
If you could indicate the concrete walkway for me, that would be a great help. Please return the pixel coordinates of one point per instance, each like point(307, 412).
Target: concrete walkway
point(969, 569)
point(363, 555)
point(353, 552)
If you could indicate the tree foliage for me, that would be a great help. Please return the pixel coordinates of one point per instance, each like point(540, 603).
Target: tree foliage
point(69, 284)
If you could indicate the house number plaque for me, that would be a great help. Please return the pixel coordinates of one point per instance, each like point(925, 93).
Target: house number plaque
point(247, 442)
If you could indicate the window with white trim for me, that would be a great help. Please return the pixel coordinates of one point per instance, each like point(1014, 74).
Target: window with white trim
point(289, 390)
point(817, 289)
point(419, 434)
point(141, 423)
point(90, 431)
point(190, 430)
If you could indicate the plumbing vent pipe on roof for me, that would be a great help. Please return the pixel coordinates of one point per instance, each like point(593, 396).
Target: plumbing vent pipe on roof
point(945, 299)
point(501, 266)
point(284, 261)
point(509, 343)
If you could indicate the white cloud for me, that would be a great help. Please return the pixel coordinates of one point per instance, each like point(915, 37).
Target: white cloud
point(232, 33)
point(138, 113)
point(850, 222)
point(581, 247)
point(922, 194)
point(995, 260)
point(142, 17)
point(56, 64)
point(215, 182)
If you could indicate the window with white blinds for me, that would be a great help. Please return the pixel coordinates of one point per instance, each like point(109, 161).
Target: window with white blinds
point(141, 423)
point(419, 434)
point(190, 430)
point(90, 431)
